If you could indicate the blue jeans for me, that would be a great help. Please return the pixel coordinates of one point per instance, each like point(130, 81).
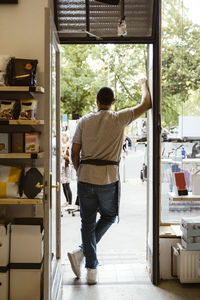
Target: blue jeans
point(92, 199)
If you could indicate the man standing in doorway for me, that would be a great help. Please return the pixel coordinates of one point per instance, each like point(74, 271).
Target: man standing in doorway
point(96, 150)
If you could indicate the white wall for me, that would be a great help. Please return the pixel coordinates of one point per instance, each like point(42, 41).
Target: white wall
point(22, 34)
point(22, 31)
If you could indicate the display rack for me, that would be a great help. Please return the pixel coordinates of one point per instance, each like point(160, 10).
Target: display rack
point(20, 201)
point(22, 122)
point(18, 93)
point(189, 197)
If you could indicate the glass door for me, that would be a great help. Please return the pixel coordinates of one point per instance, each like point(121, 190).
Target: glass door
point(153, 163)
point(52, 209)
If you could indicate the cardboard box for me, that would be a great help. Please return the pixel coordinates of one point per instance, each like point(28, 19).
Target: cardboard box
point(4, 244)
point(32, 142)
point(26, 284)
point(4, 142)
point(4, 285)
point(26, 244)
point(17, 142)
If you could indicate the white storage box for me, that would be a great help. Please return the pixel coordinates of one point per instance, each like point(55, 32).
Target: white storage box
point(195, 180)
point(4, 244)
point(190, 223)
point(4, 285)
point(165, 257)
point(26, 284)
point(192, 246)
point(26, 244)
point(188, 264)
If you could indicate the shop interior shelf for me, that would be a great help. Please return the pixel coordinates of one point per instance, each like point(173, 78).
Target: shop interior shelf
point(181, 161)
point(34, 89)
point(20, 92)
point(21, 122)
point(19, 201)
point(171, 231)
point(22, 155)
point(189, 197)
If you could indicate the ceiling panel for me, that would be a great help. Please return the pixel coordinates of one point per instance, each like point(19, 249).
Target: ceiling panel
point(74, 17)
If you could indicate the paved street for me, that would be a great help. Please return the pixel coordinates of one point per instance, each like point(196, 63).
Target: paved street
point(129, 235)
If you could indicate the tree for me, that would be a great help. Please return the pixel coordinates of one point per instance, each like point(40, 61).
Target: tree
point(76, 80)
point(86, 68)
point(180, 60)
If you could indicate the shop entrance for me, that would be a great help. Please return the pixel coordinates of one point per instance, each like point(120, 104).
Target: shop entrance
point(151, 39)
point(122, 251)
point(124, 243)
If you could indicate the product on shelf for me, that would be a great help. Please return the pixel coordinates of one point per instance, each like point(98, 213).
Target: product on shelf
point(18, 142)
point(9, 181)
point(7, 109)
point(190, 227)
point(180, 187)
point(32, 142)
point(196, 183)
point(21, 72)
point(4, 59)
point(28, 109)
point(32, 177)
point(4, 142)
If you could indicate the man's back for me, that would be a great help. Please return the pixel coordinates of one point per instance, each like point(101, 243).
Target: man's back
point(101, 137)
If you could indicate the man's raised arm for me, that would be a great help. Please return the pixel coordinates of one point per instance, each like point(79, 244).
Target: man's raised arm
point(146, 99)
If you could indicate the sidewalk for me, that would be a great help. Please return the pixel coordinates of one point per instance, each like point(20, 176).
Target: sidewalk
point(123, 245)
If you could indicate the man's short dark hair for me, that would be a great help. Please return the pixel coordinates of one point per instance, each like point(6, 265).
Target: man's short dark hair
point(105, 96)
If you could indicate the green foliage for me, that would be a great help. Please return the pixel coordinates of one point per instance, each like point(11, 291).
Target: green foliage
point(180, 60)
point(86, 68)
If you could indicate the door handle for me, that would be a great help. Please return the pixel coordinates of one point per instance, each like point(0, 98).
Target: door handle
point(57, 186)
point(39, 186)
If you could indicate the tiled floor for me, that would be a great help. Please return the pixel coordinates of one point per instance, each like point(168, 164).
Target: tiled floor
point(123, 267)
point(121, 254)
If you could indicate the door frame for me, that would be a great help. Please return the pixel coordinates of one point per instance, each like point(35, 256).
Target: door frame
point(52, 286)
point(156, 128)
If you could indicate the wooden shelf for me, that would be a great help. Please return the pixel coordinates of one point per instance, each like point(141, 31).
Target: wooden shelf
point(189, 197)
point(181, 161)
point(21, 122)
point(32, 89)
point(21, 155)
point(171, 231)
point(20, 92)
point(19, 201)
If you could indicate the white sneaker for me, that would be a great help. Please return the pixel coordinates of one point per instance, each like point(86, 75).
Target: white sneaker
point(91, 276)
point(76, 258)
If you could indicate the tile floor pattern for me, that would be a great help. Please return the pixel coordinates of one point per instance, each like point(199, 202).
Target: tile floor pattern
point(123, 276)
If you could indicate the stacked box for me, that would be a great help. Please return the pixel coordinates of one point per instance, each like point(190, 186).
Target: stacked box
point(4, 261)
point(4, 142)
point(190, 227)
point(18, 142)
point(32, 144)
point(26, 262)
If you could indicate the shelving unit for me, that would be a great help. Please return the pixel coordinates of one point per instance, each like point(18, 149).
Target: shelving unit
point(170, 231)
point(20, 201)
point(22, 122)
point(189, 197)
point(21, 155)
point(18, 93)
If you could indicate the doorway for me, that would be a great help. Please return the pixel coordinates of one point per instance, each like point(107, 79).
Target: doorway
point(84, 69)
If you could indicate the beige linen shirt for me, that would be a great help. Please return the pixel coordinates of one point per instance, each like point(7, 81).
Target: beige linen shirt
point(100, 135)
